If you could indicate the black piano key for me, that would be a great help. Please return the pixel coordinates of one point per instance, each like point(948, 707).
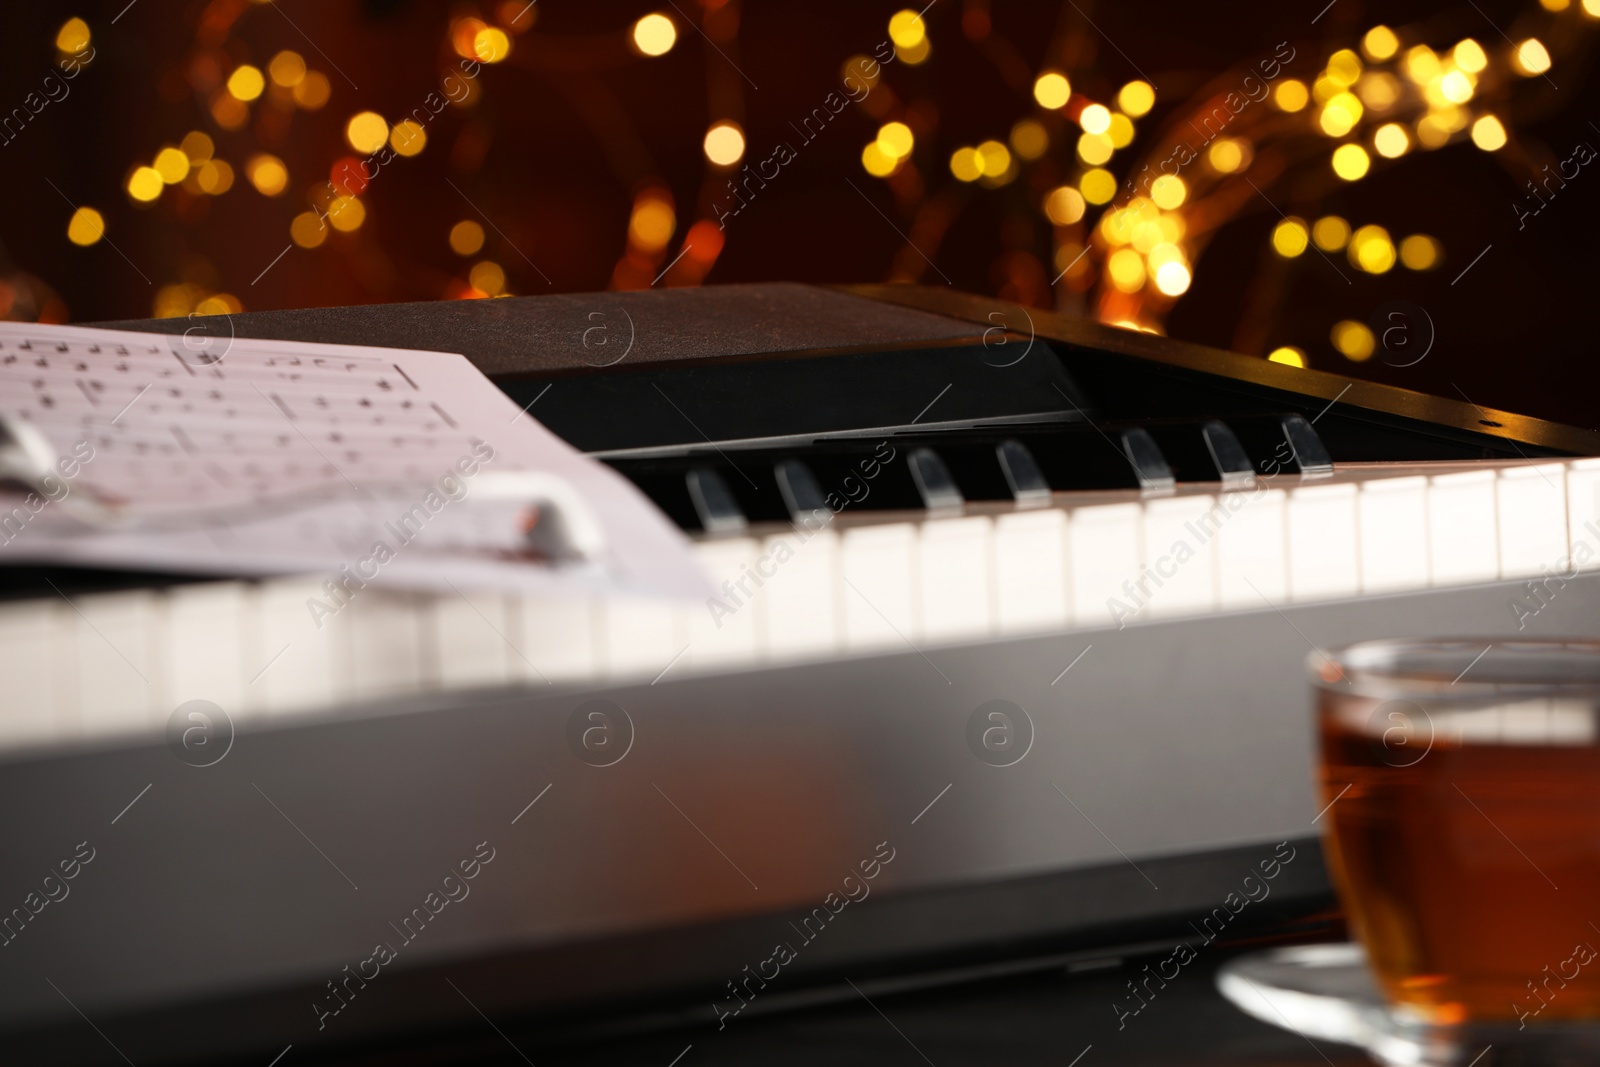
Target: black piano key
point(934, 484)
point(714, 502)
point(802, 494)
point(1023, 476)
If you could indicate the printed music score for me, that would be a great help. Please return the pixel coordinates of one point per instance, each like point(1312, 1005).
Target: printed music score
point(264, 457)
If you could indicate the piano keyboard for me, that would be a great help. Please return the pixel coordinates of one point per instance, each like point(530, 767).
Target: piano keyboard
point(116, 664)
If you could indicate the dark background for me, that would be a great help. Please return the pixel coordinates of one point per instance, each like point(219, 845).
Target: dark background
point(565, 133)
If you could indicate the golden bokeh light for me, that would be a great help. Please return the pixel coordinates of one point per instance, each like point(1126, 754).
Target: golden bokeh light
point(267, 173)
point(1173, 278)
point(1290, 95)
point(1530, 57)
point(197, 147)
point(1420, 252)
point(1095, 148)
point(172, 164)
point(466, 238)
point(652, 223)
point(655, 34)
point(1168, 191)
point(1096, 118)
point(965, 165)
point(1136, 98)
point(994, 159)
point(1351, 162)
point(1052, 90)
point(86, 227)
point(1029, 139)
point(1065, 205)
point(287, 69)
point(214, 177)
point(1371, 250)
point(1421, 64)
point(1340, 114)
point(491, 45)
point(308, 230)
point(1121, 131)
point(1456, 87)
point(1289, 238)
point(1470, 56)
point(487, 277)
point(1353, 340)
point(724, 143)
point(73, 36)
point(1391, 140)
point(1126, 268)
point(1380, 43)
point(408, 137)
point(895, 140)
point(366, 131)
point(1228, 155)
point(1330, 233)
point(1344, 67)
point(1378, 90)
point(312, 91)
point(346, 213)
point(246, 83)
point(1488, 134)
point(906, 29)
point(145, 184)
point(1288, 355)
point(876, 162)
point(1097, 185)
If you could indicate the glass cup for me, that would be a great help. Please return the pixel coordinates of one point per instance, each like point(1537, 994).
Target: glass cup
point(1461, 780)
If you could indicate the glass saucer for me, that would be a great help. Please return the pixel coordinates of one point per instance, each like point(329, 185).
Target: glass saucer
point(1327, 992)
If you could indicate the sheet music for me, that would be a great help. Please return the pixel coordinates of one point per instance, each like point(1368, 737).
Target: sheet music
point(257, 457)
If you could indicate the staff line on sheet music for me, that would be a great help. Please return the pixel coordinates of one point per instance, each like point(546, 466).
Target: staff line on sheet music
point(1073, 664)
point(899, 231)
point(890, 1021)
point(898, 634)
point(1102, 833)
point(1320, 252)
point(131, 803)
point(90, 1021)
point(303, 834)
point(703, 834)
point(503, 637)
point(1503, 834)
point(1286, 1022)
point(931, 803)
point(1296, 629)
point(531, 803)
point(1330, 804)
point(96, 629)
point(490, 1021)
point(702, 433)
point(361, 496)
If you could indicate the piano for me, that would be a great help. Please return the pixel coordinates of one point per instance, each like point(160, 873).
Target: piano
point(1004, 674)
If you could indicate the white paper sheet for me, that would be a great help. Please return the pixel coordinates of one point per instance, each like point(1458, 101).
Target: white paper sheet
point(259, 457)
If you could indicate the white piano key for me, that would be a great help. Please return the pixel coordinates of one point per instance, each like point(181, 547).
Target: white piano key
point(1103, 547)
point(1532, 508)
point(802, 601)
point(119, 682)
point(1583, 514)
point(1323, 547)
point(204, 648)
point(879, 564)
point(1394, 534)
point(1252, 549)
point(955, 561)
point(559, 640)
point(471, 635)
point(301, 657)
point(1462, 531)
point(31, 632)
point(722, 629)
point(388, 651)
point(1180, 551)
point(1030, 559)
point(644, 636)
